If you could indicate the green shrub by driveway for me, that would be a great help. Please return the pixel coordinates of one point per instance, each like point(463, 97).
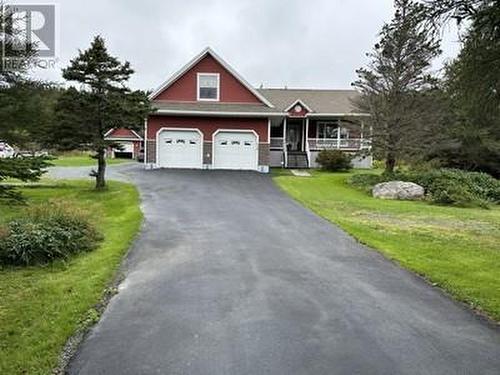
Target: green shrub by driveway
point(41, 306)
point(456, 248)
point(48, 231)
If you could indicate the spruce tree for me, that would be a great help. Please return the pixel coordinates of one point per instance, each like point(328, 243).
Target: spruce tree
point(101, 102)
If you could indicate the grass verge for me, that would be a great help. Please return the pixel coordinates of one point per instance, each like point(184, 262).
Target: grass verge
point(455, 248)
point(83, 161)
point(41, 307)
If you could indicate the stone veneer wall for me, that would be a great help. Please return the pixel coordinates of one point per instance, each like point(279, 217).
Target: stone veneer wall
point(151, 151)
point(207, 153)
point(264, 154)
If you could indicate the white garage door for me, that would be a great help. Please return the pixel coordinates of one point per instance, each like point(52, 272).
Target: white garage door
point(180, 149)
point(235, 150)
point(127, 147)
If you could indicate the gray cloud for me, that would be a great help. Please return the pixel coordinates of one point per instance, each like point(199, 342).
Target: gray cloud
point(316, 43)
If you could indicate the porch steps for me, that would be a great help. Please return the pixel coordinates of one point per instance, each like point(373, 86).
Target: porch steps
point(297, 159)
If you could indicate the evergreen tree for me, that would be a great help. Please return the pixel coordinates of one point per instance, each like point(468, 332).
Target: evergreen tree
point(103, 102)
point(397, 89)
point(472, 83)
point(21, 109)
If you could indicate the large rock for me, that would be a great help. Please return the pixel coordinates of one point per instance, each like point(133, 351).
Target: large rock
point(398, 190)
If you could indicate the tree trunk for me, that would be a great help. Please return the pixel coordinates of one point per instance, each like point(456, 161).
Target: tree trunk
point(100, 182)
point(390, 163)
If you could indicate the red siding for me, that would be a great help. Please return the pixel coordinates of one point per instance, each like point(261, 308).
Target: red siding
point(122, 133)
point(207, 125)
point(231, 90)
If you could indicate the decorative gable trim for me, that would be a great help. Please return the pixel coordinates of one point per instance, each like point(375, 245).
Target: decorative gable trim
point(194, 61)
point(298, 101)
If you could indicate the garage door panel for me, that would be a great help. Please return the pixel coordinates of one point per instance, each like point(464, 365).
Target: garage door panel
point(235, 150)
point(180, 149)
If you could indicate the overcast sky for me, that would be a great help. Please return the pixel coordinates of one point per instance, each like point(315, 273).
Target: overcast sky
point(297, 43)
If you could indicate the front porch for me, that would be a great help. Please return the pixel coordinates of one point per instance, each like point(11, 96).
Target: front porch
point(296, 142)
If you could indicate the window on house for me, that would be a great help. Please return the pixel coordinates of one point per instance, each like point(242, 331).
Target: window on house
point(327, 129)
point(208, 86)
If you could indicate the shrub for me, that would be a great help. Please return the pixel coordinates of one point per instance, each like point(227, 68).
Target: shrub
point(46, 232)
point(442, 186)
point(365, 181)
point(334, 160)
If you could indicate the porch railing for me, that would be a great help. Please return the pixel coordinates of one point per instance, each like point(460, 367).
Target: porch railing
point(338, 144)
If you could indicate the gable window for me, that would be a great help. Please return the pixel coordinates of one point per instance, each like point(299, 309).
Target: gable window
point(208, 86)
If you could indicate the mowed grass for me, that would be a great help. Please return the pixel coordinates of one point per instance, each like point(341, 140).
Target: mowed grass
point(40, 307)
point(456, 248)
point(84, 161)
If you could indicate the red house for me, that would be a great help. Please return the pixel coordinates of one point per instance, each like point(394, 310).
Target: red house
point(207, 116)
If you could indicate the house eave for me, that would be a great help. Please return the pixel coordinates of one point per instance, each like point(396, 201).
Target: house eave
point(340, 114)
point(216, 113)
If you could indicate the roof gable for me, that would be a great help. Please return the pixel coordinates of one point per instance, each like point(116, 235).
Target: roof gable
point(298, 109)
point(233, 88)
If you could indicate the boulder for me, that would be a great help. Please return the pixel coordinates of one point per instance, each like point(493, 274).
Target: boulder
point(398, 190)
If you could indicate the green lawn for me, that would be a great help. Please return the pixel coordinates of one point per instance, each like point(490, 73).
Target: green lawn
point(456, 248)
point(40, 307)
point(83, 161)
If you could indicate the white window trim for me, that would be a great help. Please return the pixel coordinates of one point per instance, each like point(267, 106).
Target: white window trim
point(198, 87)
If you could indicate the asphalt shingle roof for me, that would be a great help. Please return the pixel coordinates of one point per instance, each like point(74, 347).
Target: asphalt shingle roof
point(320, 101)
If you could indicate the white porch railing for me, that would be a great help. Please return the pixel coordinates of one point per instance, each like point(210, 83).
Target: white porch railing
point(338, 144)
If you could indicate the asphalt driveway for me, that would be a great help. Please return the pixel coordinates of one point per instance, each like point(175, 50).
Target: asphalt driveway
point(230, 276)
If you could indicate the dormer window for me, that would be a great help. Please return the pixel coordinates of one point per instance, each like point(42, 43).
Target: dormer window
point(208, 86)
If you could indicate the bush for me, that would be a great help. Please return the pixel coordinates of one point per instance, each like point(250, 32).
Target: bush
point(46, 232)
point(365, 181)
point(334, 160)
point(442, 186)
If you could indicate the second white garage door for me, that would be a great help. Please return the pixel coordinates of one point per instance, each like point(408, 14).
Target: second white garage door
point(235, 150)
point(180, 149)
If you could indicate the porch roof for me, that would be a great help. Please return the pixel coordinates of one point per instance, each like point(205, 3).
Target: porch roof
point(319, 101)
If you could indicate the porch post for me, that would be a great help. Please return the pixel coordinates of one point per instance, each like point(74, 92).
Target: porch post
point(362, 140)
point(338, 133)
point(285, 161)
point(307, 142)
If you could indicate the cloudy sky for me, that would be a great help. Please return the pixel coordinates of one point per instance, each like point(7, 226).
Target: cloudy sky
point(297, 43)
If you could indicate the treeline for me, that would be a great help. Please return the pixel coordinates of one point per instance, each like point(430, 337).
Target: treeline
point(418, 117)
